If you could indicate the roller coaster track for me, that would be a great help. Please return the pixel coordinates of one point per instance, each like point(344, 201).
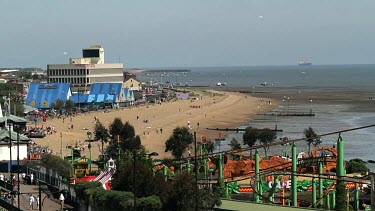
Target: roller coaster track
point(271, 170)
point(183, 160)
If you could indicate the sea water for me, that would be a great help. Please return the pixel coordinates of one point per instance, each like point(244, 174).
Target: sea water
point(329, 117)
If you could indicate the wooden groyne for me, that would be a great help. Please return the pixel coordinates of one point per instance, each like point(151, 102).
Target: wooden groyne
point(287, 114)
point(237, 129)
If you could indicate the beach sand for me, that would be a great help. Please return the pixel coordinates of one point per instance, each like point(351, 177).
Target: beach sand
point(216, 109)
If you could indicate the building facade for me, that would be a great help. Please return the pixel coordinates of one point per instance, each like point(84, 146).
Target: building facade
point(82, 72)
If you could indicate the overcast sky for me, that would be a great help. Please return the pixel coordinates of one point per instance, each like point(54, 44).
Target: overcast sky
point(176, 33)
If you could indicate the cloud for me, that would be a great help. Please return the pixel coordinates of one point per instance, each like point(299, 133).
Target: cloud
point(65, 53)
point(260, 16)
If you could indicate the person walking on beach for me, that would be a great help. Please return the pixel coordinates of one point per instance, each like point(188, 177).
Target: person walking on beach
point(198, 125)
point(161, 130)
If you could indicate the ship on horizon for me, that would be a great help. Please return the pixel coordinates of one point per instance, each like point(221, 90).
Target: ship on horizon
point(304, 63)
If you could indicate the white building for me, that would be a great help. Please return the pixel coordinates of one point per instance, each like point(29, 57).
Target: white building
point(82, 72)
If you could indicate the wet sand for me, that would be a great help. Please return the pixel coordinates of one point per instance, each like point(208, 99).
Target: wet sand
point(214, 109)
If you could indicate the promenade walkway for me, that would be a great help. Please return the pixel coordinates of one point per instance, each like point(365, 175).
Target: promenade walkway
point(49, 204)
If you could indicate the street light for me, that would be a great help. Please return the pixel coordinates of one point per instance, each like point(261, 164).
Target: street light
point(134, 158)
point(310, 107)
point(89, 135)
point(61, 146)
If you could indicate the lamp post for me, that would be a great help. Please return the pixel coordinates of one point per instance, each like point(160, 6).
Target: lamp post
point(61, 146)
point(18, 168)
point(288, 105)
point(134, 182)
point(196, 171)
point(310, 107)
point(89, 135)
point(79, 104)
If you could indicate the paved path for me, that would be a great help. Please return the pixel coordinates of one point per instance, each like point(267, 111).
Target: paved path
point(25, 190)
point(48, 204)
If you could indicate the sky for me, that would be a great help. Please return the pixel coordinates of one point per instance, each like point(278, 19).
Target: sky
point(190, 33)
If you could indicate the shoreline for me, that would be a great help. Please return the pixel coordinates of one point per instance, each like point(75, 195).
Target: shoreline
point(216, 109)
point(220, 108)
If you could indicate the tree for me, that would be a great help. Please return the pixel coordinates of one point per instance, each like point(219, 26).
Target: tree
point(250, 136)
point(267, 136)
point(312, 138)
point(356, 166)
point(55, 163)
point(116, 129)
point(210, 146)
point(146, 184)
point(58, 104)
point(340, 196)
point(177, 143)
point(124, 135)
point(234, 144)
point(101, 134)
point(24, 74)
point(69, 104)
point(183, 195)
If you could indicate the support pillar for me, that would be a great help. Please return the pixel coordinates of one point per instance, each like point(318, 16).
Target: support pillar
point(273, 189)
point(256, 185)
point(333, 199)
point(356, 198)
point(221, 173)
point(165, 172)
point(321, 193)
point(328, 203)
point(188, 167)
point(294, 176)
point(313, 193)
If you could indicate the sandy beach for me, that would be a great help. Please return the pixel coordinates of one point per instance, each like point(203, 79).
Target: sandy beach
point(211, 109)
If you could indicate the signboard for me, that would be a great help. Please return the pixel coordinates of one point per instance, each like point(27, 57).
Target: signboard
point(47, 87)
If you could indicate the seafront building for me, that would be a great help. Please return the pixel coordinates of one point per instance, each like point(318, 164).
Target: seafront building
point(43, 95)
point(82, 72)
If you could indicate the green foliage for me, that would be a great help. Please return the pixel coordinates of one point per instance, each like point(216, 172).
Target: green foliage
point(101, 134)
point(116, 128)
point(340, 196)
point(122, 137)
point(183, 195)
point(93, 194)
point(69, 104)
point(112, 200)
point(356, 166)
point(150, 203)
point(267, 136)
point(57, 164)
point(250, 136)
point(210, 146)
point(234, 144)
point(179, 141)
point(84, 190)
point(146, 184)
point(24, 74)
point(312, 138)
point(20, 109)
point(125, 134)
point(58, 105)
